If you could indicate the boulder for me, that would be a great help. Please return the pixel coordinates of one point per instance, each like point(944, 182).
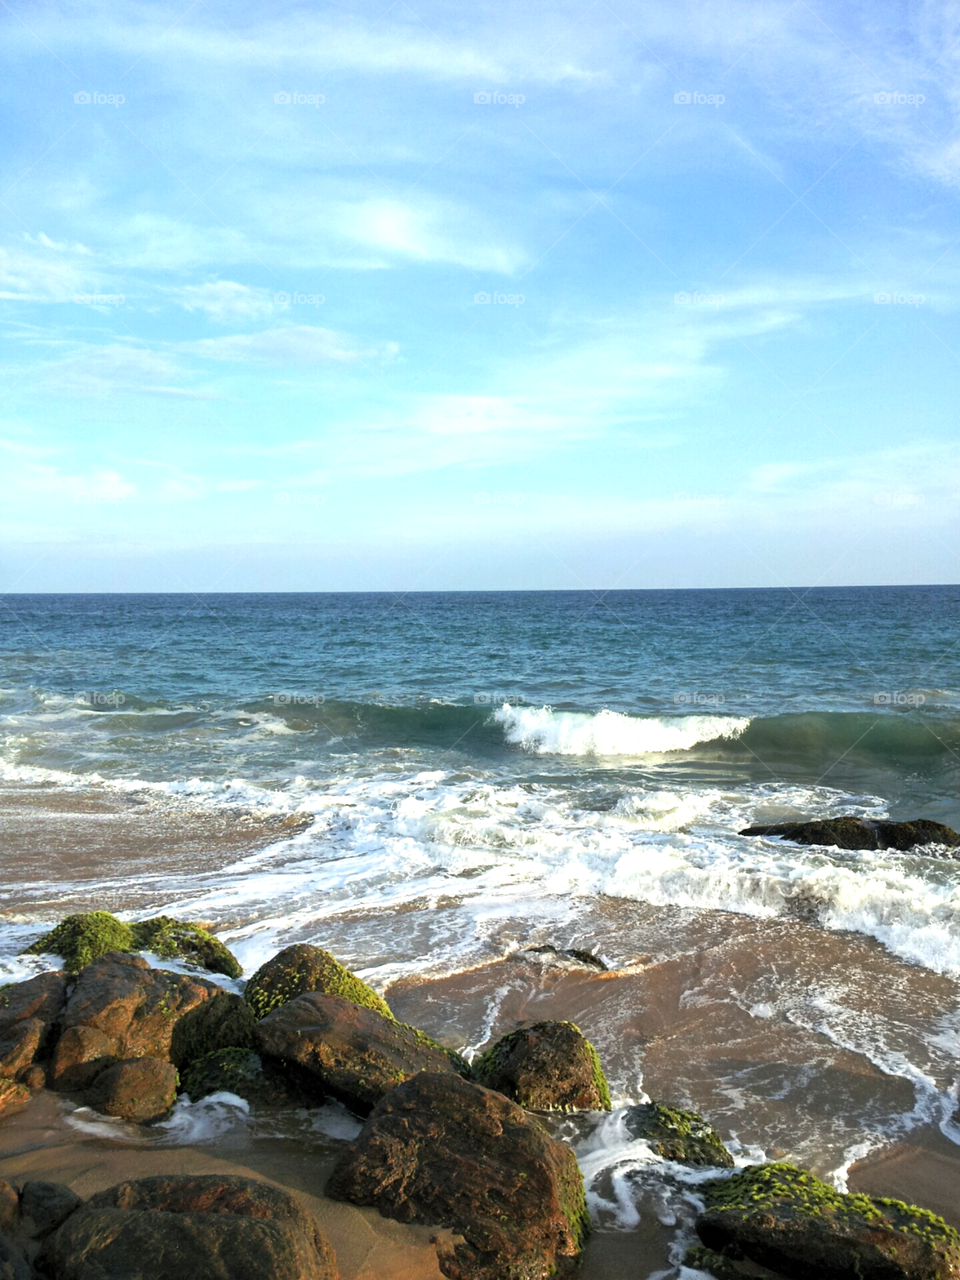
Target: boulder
point(80, 939)
point(302, 968)
point(81, 1054)
point(777, 1216)
point(44, 1205)
point(682, 1136)
point(34, 1077)
point(9, 1209)
point(12, 1095)
point(242, 1072)
point(206, 1227)
point(445, 1152)
point(29, 1015)
point(859, 833)
point(140, 1089)
point(134, 1006)
point(340, 1048)
point(13, 1265)
point(550, 1066)
point(223, 1022)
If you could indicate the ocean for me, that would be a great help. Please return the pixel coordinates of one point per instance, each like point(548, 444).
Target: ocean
point(434, 785)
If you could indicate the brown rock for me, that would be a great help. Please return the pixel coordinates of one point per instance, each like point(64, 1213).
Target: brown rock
point(204, 1228)
point(9, 1209)
point(12, 1095)
point(445, 1152)
point(140, 1089)
point(19, 1046)
point(44, 1205)
point(29, 1013)
point(857, 833)
point(348, 1051)
point(34, 1077)
point(135, 1006)
point(81, 1054)
point(550, 1066)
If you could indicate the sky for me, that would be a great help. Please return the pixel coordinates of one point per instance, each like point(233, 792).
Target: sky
point(424, 296)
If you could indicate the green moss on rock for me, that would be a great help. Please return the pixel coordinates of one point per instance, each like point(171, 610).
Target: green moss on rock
point(223, 1022)
point(677, 1135)
point(700, 1258)
point(239, 1071)
point(167, 937)
point(81, 939)
point(548, 1066)
point(302, 968)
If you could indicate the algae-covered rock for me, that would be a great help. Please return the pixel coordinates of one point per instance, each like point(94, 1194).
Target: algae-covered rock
point(302, 968)
point(860, 833)
point(682, 1136)
point(167, 937)
point(778, 1216)
point(240, 1071)
point(550, 1066)
point(225, 1021)
point(81, 939)
point(442, 1151)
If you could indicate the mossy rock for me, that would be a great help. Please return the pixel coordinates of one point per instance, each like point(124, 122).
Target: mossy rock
point(549, 1066)
point(682, 1136)
point(81, 939)
point(699, 1258)
point(225, 1021)
point(302, 968)
point(240, 1071)
point(779, 1216)
point(167, 937)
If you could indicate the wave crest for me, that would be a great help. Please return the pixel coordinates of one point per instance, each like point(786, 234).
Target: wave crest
point(544, 731)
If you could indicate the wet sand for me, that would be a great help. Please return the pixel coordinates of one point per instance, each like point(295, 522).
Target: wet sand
point(924, 1171)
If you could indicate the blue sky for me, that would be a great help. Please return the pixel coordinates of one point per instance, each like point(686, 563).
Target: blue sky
point(242, 246)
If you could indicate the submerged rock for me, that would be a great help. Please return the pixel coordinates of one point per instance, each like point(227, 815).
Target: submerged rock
point(682, 1136)
point(141, 1089)
point(207, 1228)
point(224, 1021)
point(859, 833)
point(777, 1216)
point(576, 954)
point(29, 1014)
point(442, 1151)
point(347, 1051)
point(302, 968)
point(550, 1066)
point(80, 939)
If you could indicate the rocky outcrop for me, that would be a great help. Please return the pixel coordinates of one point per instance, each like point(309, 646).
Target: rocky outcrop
point(141, 1089)
point(302, 968)
point(442, 1151)
point(29, 1018)
point(339, 1048)
point(550, 1066)
point(81, 939)
point(206, 1228)
point(241, 1072)
point(779, 1217)
point(859, 833)
point(224, 1021)
point(682, 1136)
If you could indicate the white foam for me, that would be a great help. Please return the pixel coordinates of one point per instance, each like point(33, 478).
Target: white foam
point(544, 731)
point(204, 1121)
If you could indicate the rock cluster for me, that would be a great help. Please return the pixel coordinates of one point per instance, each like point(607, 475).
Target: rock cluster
point(82, 938)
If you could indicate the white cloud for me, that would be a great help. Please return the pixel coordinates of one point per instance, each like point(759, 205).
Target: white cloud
point(296, 344)
point(224, 300)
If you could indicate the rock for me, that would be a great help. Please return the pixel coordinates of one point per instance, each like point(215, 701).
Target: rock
point(134, 1006)
point(81, 939)
point(550, 1066)
point(242, 1072)
point(223, 1022)
point(443, 1151)
point(81, 1054)
point(302, 968)
point(207, 1228)
point(29, 1014)
point(13, 1265)
point(9, 1209)
point(858, 833)
point(12, 1095)
point(343, 1049)
point(141, 1089)
point(586, 958)
point(682, 1136)
point(34, 1077)
point(44, 1205)
point(777, 1216)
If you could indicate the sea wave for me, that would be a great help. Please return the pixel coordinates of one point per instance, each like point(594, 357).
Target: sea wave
point(610, 733)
